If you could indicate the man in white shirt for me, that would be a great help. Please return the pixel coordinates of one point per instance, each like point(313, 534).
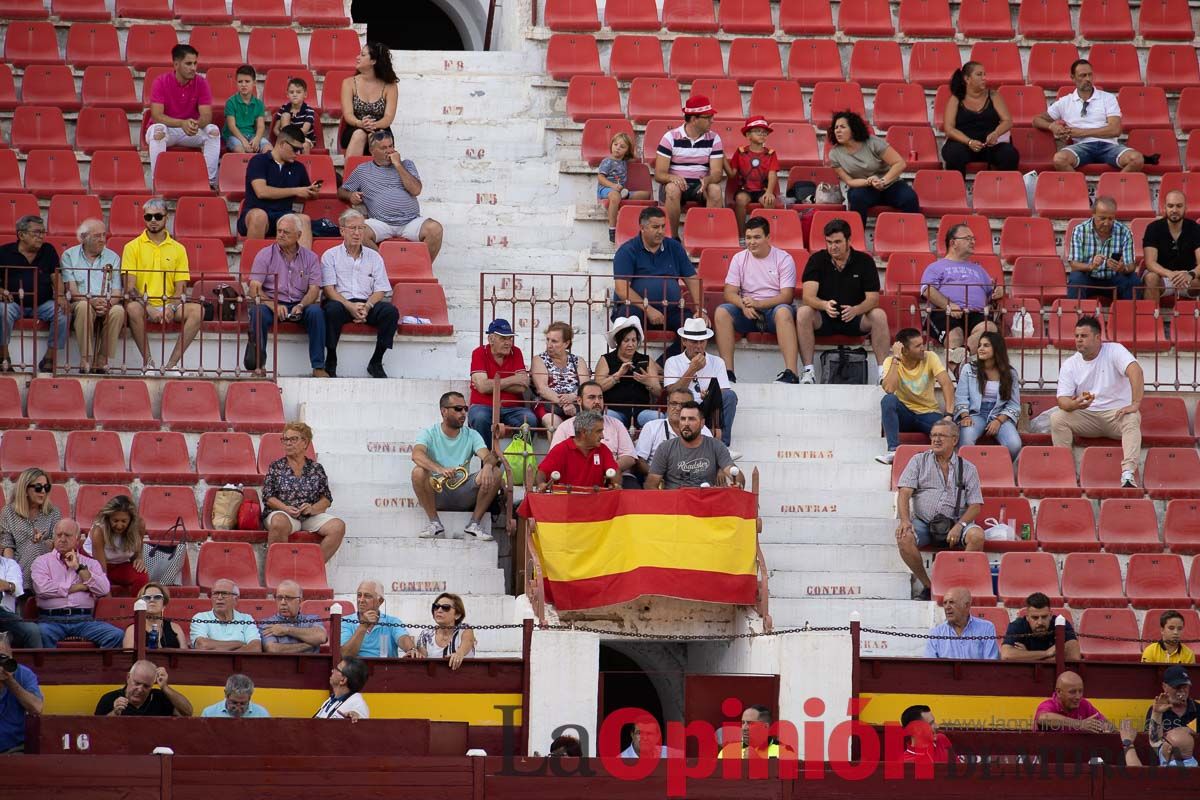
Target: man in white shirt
point(12, 586)
point(759, 289)
point(704, 375)
point(615, 437)
point(660, 430)
point(355, 282)
point(1086, 124)
point(1099, 393)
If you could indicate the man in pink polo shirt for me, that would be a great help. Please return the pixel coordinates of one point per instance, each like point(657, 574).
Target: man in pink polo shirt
point(1068, 710)
point(181, 112)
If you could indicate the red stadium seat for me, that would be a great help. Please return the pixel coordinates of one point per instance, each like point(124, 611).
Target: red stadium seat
point(232, 561)
point(753, 60)
point(231, 175)
point(329, 49)
point(1105, 19)
point(123, 405)
point(191, 406)
point(794, 142)
point(694, 57)
point(143, 9)
point(1131, 190)
point(778, 101)
point(902, 311)
point(571, 54)
point(102, 129)
point(979, 226)
point(627, 224)
point(1170, 472)
point(1022, 574)
point(968, 570)
point(916, 145)
point(1185, 182)
point(1040, 277)
point(254, 406)
point(93, 497)
point(318, 13)
point(902, 104)
point(274, 48)
point(1001, 61)
point(260, 12)
point(57, 404)
point(28, 43)
point(226, 458)
point(203, 217)
point(331, 91)
point(1165, 422)
point(8, 88)
point(1047, 472)
point(830, 97)
point(633, 56)
point(652, 98)
point(1129, 526)
point(1138, 325)
point(985, 19)
point(1168, 19)
point(926, 18)
point(725, 95)
point(25, 9)
point(1000, 193)
point(67, 211)
point(571, 15)
point(1061, 194)
point(1144, 107)
point(865, 18)
point(929, 63)
point(686, 16)
point(1172, 67)
point(179, 173)
point(80, 10)
point(709, 227)
point(301, 563)
point(52, 172)
point(746, 16)
point(1024, 102)
point(875, 62)
point(598, 135)
point(93, 45)
point(50, 85)
point(22, 449)
point(1063, 314)
point(589, 97)
point(95, 457)
point(1118, 63)
point(39, 127)
point(10, 173)
point(15, 205)
point(1156, 140)
point(713, 267)
point(149, 45)
point(995, 468)
point(858, 237)
point(160, 457)
point(219, 46)
point(1022, 237)
point(806, 18)
point(1092, 579)
point(118, 172)
point(1036, 147)
point(631, 15)
point(1119, 622)
point(904, 271)
point(1181, 526)
point(1050, 63)
point(896, 232)
point(1185, 325)
point(1045, 19)
point(811, 61)
point(125, 215)
point(11, 413)
point(1016, 512)
point(786, 230)
point(200, 12)
point(407, 262)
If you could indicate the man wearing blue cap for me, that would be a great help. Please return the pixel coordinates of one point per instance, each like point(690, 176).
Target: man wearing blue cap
point(1173, 708)
point(499, 360)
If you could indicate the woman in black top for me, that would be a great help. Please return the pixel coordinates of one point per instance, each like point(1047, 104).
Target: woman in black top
point(975, 119)
point(630, 380)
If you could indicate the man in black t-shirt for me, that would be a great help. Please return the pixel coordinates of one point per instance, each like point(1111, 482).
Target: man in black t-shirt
point(275, 181)
point(139, 698)
point(841, 298)
point(1031, 637)
point(1171, 246)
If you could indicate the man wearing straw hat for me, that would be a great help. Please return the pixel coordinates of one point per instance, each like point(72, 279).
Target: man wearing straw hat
point(690, 163)
point(704, 375)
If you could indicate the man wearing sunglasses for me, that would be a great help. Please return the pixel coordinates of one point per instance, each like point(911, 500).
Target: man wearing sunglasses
point(31, 287)
point(275, 181)
point(156, 278)
point(1086, 124)
point(67, 584)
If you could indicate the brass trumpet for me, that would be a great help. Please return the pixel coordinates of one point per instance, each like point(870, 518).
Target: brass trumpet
point(440, 482)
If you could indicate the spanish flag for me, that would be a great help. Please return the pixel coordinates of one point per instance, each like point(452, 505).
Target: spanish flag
point(611, 547)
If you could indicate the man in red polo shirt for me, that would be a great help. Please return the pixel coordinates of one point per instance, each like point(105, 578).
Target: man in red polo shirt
point(499, 360)
point(582, 460)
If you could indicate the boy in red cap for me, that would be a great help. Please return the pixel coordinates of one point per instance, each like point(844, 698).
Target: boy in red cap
point(753, 169)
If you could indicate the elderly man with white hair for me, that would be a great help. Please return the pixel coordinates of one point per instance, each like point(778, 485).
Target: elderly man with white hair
point(156, 273)
point(225, 628)
point(356, 282)
point(285, 285)
point(91, 274)
point(67, 583)
point(239, 689)
point(371, 633)
point(289, 631)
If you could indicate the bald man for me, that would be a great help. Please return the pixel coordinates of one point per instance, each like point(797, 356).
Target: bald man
point(67, 584)
point(961, 636)
point(372, 634)
point(1067, 709)
point(140, 697)
point(1171, 247)
point(289, 631)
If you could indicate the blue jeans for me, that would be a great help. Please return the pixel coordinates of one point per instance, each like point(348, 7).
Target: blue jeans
point(24, 633)
point(84, 626)
point(729, 401)
point(1007, 435)
point(56, 337)
point(644, 416)
point(1081, 285)
point(900, 196)
point(313, 320)
point(899, 418)
point(479, 417)
point(764, 324)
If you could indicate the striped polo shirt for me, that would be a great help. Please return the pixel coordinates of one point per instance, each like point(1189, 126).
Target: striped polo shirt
point(690, 157)
point(383, 193)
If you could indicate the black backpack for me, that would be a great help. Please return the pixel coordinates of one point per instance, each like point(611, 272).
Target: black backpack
point(844, 365)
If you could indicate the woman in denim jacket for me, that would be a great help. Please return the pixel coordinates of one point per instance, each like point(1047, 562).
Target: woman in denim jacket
point(988, 398)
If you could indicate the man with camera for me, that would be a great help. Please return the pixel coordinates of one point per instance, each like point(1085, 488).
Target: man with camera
point(19, 695)
point(140, 698)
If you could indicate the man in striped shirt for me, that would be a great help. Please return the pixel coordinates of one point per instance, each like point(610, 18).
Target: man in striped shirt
point(1101, 255)
point(690, 162)
point(388, 186)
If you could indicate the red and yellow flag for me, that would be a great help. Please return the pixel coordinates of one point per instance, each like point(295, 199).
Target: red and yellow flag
point(610, 547)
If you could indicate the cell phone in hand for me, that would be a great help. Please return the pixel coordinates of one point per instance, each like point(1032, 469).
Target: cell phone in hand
point(1116, 255)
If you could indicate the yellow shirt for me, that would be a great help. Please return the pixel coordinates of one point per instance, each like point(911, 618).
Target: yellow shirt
point(156, 268)
point(1157, 654)
point(916, 388)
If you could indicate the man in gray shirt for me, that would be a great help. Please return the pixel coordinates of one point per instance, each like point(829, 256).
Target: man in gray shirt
point(691, 460)
point(929, 487)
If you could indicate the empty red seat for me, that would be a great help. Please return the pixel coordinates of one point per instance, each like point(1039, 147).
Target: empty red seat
point(226, 458)
point(1156, 579)
point(102, 129)
point(10, 174)
point(200, 12)
point(1156, 140)
point(80, 10)
point(1181, 526)
point(1170, 472)
point(1138, 325)
point(123, 405)
point(1001, 61)
point(144, 9)
point(995, 468)
point(709, 227)
point(1172, 67)
point(254, 406)
point(1185, 325)
point(8, 88)
point(967, 570)
point(1165, 422)
point(1050, 63)
point(916, 145)
point(806, 17)
point(631, 15)
point(1167, 19)
point(302, 563)
point(205, 217)
point(329, 49)
point(571, 54)
point(50, 85)
point(875, 62)
point(985, 19)
point(1105, 19)
point(233, 561)
point(571, 15)
point(1024, 102)
point(902, 104)
point(1037, 148)
point(752, 60)
point(930, 63)
point(30, 42)
point(811, 61)
point(22, 449)
point(1100, 473)
point(653, 98)
point(52, 172)
point(114, 172)
point(15, 205)
point(694, 57)
point(68, 210)
point(179, 173)
point(634, 56)
point(160, 457)
point(746, 16)
point(1118, 63)
point(830, 97)
point(1128, 525)
point(1000, 193)
point(260, 12)
point(1092, 579)
point(589, 97)
point(25, 9)
point(219, 46)
point(12, 415)
point(93, 44)
point(39, 127)
point(191, 406)
point(725, 95)
point(684, 16)
point(1061, 194)
point(865, 18)
point(1063, 315)
point(1047, 472)
point(149, 45)
point(1041, 277)
point(273, 48)
point(926, 18)
point(1096, 622)
point(407, 262)
point(231, 175)
point(904, 270)
point(95, 456)
point(941, 191)
point(1044, 19)
point(897, 232)
point(1022, 574)
point(1144, 106)
point(778, 101)
point(1027, 236)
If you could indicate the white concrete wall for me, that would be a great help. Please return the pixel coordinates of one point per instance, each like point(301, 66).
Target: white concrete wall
point(564, 673)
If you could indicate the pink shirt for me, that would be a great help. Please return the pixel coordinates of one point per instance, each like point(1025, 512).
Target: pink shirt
point(181, 101)
point(762, 278)
point(52, 580)
point(1084, 710)
point(616, 436)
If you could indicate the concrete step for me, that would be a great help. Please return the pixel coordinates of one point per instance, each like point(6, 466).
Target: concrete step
point(832, 557)
point(818, 530)
point(894, 616)
point(826, 505)
point(809, 476)
point(848, 584)
point(427, 64)
point(371, 551)
point(480, 581)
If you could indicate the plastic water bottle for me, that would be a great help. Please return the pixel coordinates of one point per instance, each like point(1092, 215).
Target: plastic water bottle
point(152, 639)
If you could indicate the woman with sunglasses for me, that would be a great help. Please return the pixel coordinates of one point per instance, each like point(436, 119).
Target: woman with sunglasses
point(452, 638)
point(27, 522)
point(160, 632)
point(296, 494)
point(116, 542)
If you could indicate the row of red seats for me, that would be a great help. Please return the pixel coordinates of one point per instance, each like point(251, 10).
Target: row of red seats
point(149, 45)
point(983, 19)
point(1120, 622)
point(124, 405)
point(1168, 472)
point(248, 12)
point(871, 62)
point(186, 603)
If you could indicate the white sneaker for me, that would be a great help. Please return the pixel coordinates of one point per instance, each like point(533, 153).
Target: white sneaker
point(432, 530)
point(475, 529)
point(808, 377)
point(886, 458)
point(1127, 481)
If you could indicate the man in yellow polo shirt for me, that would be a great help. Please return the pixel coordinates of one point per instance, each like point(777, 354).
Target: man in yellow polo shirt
point(156, 276)
point(910, 403)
